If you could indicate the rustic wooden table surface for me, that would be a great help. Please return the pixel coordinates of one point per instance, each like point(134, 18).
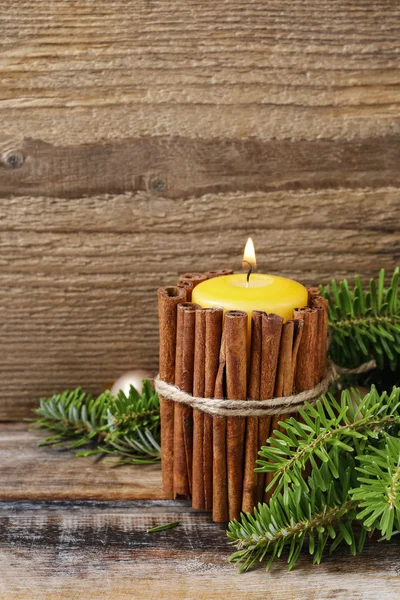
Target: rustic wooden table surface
point(70, 529)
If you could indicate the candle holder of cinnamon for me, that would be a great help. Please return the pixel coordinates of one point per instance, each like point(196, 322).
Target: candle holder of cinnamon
point(205, 354)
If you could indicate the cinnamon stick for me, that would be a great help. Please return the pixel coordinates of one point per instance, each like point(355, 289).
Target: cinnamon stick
point(198, 501)
point(307, 359)
point(313, 292)
point(321, 304)
point(283, 379)
point(214, 318)
point(283, 383)
point(298, 332)
point(218, 273)
point(194, 277)
point(271, 336)
point(188, 286)
point(183, 415)
point(207, 346)
point(220, 481)
point(168, 300)
point(236, 325)
point(250, 481)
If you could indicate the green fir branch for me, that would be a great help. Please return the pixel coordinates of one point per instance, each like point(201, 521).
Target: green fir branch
point(127, 427)
point(76, 418)
point(317, 518)
point(329, 428)
point(363, 324)
point(332, 439)
point(378, 492)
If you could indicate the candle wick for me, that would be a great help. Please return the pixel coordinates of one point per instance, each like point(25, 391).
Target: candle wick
point(249, 272)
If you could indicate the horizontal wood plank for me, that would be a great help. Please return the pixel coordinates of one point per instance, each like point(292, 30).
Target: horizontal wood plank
point(182, 167)
point(76, 73)
point(29, 472)
point(78, 277)
point(92, 550)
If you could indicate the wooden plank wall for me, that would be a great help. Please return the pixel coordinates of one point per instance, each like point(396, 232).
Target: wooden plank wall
point(142, 139)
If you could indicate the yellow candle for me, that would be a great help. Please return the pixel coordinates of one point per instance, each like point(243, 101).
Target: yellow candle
point(268, 293)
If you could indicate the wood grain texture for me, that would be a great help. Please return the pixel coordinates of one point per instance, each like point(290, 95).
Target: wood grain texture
point(140, 140)
point(177, 167)
point(81, 71)
point(78, 277)
point(73, 529)
point(96, 550)
point(143, 139)
point(32, 473)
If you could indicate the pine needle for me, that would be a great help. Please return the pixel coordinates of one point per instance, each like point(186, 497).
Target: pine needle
point(163, 527)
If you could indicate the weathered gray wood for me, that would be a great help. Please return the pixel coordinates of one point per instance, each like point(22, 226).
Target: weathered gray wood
point(101, 550)
point(78, 277)
point(72, 528)
point(182, 167)
point(31, 473)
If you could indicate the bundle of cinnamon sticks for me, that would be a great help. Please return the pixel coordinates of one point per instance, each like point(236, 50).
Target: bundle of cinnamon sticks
point(211, 459)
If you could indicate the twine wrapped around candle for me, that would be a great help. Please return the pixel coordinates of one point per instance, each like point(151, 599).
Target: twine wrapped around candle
point(260, 408)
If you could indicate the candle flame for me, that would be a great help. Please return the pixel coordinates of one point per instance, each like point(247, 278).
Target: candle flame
point(249, 256)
